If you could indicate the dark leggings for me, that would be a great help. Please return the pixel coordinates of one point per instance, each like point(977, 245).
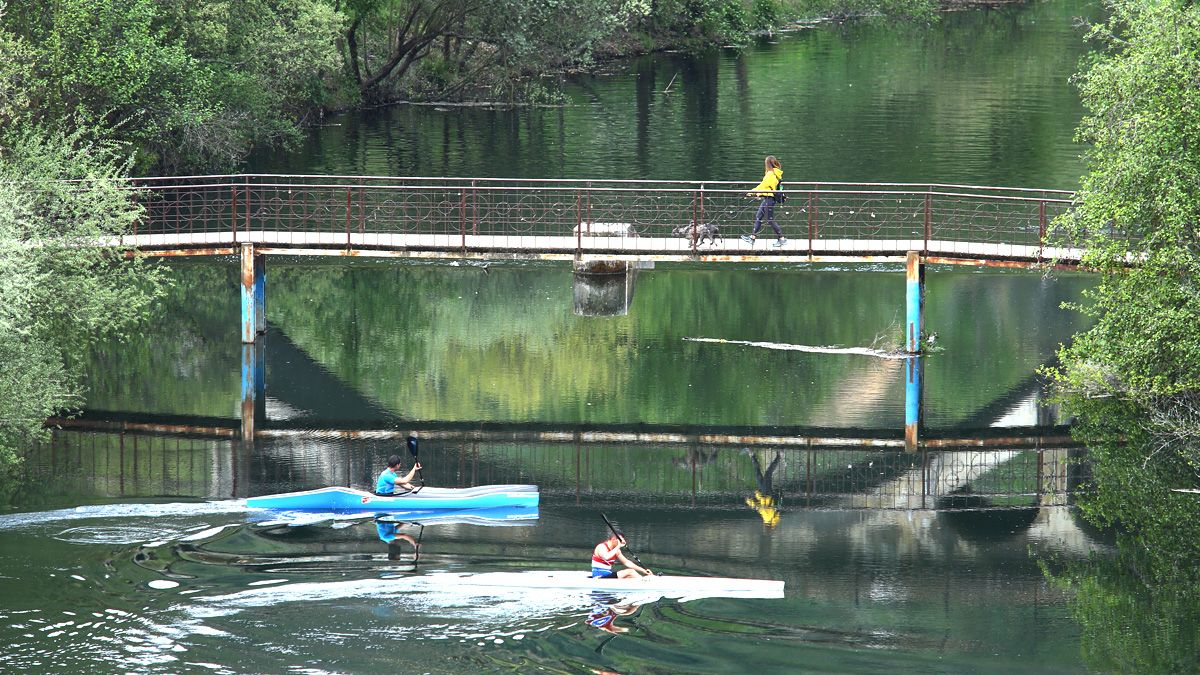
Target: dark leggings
point(767, 207)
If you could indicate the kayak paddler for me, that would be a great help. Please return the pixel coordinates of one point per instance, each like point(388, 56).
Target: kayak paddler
point(609, 551)
point(390, 478)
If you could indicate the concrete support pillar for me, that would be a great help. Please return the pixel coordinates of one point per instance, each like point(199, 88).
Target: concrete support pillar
point(254, 388)
point(254, 294)
point(914, 368)
point(603, 287)
point(914, 326)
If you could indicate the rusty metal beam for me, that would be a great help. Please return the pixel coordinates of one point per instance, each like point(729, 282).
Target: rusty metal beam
point(119, 426)
point(1001, 263)
point(180, 252)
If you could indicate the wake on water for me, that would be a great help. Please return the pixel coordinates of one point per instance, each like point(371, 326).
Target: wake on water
point(19, 520)
point(863, 351)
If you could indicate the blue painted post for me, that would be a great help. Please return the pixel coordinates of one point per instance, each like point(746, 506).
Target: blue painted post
point(254, 294)
point(260, 294)
point(913, 367)
point(914, 326)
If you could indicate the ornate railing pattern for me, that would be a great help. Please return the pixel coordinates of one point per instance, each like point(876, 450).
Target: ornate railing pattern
point(830, 217)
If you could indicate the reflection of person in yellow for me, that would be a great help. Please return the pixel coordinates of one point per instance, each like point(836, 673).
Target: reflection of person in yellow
point(765, 505)
point(763, 502)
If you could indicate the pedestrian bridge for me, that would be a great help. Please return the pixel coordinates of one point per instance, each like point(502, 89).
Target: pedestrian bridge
point(607, 228)
point(499, 218)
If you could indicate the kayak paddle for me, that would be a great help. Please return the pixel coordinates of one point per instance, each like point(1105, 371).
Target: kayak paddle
point(412, 449)
point(621, 536)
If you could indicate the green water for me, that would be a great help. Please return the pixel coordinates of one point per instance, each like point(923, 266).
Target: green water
point(98, 522)
point(981, 98)
point(458, 344)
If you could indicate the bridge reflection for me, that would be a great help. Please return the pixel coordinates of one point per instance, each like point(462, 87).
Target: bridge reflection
point(1026, 467)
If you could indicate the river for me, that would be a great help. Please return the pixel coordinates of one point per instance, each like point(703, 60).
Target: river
point(135, 552)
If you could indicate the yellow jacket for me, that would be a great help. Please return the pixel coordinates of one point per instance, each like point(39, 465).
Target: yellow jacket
point(765, 506)
point(770, 183)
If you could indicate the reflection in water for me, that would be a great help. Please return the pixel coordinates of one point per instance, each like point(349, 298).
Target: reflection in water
point(898, 580)
point(607, 610)
point(832, 472)
point(763, 501)
point(389, 533)
point(377, 345)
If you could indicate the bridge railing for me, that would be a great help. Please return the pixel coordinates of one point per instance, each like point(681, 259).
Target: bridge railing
point(366, 210)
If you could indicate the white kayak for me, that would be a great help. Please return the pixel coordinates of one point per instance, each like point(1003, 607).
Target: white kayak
point(661, 585)
point(500, 595)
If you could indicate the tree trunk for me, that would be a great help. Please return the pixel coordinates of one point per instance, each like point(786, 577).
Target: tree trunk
point(352, 47)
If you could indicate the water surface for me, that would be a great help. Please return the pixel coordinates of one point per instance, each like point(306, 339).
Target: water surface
point(131, 550)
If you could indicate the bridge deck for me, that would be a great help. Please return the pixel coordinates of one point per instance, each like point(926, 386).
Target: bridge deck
point(483, 246)
point(565, 218)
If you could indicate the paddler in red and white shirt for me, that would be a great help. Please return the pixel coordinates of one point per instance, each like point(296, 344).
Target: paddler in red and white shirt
point(609, 551)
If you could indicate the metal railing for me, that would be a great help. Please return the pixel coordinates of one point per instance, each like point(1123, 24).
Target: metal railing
point(627, 214)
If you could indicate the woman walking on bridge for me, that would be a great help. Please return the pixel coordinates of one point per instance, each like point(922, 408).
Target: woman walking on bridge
point(768, 192)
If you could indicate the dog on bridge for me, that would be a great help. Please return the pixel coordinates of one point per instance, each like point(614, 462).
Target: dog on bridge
point(697, 233)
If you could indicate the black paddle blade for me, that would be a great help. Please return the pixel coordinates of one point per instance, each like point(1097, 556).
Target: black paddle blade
point(412, 445)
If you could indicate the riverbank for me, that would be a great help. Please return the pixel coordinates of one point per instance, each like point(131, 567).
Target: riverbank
point(543, 89)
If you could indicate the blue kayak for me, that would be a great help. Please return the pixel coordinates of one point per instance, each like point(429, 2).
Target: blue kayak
point(503, 516)
point(349, 499)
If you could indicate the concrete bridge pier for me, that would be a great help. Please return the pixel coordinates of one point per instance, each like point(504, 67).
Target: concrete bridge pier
point(603, 287)
point(254, 294)
point(1053, 465)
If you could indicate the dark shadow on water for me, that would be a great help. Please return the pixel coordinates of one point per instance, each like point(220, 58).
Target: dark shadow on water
point(975, 518)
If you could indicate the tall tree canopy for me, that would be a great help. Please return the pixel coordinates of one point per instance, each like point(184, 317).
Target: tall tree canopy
point(57, 297)
point(1133, 379)
point(1140, 204)
point(191, 84)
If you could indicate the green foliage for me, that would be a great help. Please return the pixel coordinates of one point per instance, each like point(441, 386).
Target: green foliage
point(766, 13)
point(192, 85)
point(1133, 380)
point(1139, 204)
point(700, 22)
point(57, 297)
point(903, 9)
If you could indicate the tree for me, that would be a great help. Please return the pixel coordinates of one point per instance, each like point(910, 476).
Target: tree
point(192, 84)
point(1133, 379)
point(1137, 217)
point(401, 31)
point(57, 297)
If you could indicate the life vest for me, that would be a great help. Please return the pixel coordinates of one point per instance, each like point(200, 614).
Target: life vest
point(598, 561)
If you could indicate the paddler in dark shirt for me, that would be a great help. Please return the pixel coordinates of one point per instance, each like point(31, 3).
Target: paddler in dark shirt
point(390, 478)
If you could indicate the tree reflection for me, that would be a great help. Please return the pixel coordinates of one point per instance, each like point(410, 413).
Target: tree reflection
point(1139, 610)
